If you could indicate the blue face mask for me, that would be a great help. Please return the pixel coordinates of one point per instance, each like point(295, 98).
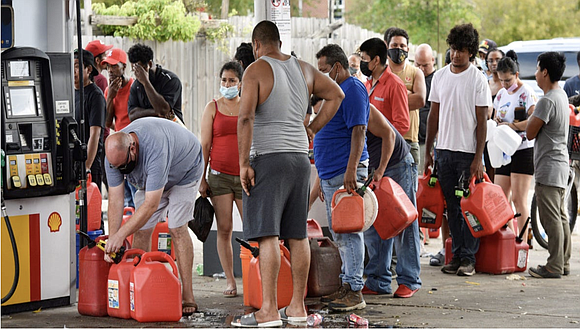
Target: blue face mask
point(229, 92)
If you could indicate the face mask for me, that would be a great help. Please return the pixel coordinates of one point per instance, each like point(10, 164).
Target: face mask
point(128, 168)
point(513, 87)
point(397, 55)
point(229, 92)
point(484, 65)
point(364, 68)
point(352, 71)
point(329, 71)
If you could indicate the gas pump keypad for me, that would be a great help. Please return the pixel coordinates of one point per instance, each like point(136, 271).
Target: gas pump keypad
point(29, 171)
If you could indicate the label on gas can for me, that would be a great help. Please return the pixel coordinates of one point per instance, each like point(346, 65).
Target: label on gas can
point(164, 243)
point(428, 217)
point(522, 258)
point(473, 222)
point(132, 296)
point(113, 294)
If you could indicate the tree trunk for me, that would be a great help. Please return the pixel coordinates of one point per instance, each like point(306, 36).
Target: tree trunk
point(225, 8)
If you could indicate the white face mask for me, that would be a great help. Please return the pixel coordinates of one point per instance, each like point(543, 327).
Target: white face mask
point(328, 73)
point(229, 92)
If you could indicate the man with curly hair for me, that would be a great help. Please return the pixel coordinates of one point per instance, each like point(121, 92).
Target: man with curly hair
point(157, 91)
point(459, 97)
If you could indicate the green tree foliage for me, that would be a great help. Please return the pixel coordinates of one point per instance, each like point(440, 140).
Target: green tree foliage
point(243, 7)
point(507, 21)
point(159, 20)
point(417, 17)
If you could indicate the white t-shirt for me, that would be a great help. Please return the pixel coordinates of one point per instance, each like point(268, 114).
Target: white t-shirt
point(458, 94)
point(505, 105)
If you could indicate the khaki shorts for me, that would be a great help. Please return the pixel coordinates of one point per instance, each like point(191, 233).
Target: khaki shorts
point(224, 184)
point(176, 205)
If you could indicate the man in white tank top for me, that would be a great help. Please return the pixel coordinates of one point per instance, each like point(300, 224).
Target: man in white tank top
point(276, 90)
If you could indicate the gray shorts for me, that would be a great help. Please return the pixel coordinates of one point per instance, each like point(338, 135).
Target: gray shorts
point(278, 203)
point(176, 205)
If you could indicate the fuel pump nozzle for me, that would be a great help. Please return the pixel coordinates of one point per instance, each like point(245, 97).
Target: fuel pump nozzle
point(116, 256)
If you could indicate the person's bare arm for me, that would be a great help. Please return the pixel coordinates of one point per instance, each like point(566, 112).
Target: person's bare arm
point(379, 126)
point(476, 168)
point(161, 107)
point(357, 143)
point(206, 141)
point(92, 145)
point(417, 97)
point(533, 128)
point(432, 129)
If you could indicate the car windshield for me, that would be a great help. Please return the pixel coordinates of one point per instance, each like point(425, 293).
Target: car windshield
point(528, 62)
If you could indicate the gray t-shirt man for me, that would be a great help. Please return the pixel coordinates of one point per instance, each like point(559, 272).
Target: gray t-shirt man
point(550, 150)
point(169, 155)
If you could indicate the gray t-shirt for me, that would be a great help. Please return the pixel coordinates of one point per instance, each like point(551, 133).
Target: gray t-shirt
point(169, 155)
point(278, 124)
point(551, 166)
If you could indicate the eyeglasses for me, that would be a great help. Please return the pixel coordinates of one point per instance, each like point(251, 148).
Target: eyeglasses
point(124, 166)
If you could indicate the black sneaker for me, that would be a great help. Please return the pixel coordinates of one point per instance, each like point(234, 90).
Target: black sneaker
point(466, 268)
point(566, 272)
point(542, 272)
point(341, 292)
point(452, 266)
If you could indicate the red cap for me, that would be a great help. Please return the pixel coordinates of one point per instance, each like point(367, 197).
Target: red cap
point(115, 56)
point(97, 47)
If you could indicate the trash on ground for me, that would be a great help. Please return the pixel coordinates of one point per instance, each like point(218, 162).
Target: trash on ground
point(514, 277)
point(469, 282)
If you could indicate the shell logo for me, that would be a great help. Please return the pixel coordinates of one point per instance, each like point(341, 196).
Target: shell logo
point(54, 222)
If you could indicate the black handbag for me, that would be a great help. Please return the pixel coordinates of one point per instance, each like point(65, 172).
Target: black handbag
point(202, 218)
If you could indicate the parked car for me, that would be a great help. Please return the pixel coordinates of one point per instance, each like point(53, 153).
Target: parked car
point(528, 52)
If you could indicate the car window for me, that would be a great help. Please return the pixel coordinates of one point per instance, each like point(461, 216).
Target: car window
point(528, 62)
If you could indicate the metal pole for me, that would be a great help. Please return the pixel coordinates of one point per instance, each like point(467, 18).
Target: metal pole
point(82, 193)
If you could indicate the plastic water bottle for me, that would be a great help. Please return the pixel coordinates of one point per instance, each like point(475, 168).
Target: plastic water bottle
point(199, 269)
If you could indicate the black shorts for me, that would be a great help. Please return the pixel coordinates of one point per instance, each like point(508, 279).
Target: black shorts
point(522, 163)
point(278, 203)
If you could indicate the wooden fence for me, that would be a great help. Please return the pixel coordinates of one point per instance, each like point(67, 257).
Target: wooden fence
point(197, 63)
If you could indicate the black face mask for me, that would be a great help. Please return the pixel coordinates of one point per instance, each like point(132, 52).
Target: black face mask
point(364, 68)
point(397, 55)
point(127, 168)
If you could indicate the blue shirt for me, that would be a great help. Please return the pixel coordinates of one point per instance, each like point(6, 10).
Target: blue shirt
point(332, 142)
point(572, 86)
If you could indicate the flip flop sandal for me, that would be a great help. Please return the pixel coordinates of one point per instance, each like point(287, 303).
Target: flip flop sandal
point(188, 305)
point(230, 293)
point(249, 321)
point(291, 319)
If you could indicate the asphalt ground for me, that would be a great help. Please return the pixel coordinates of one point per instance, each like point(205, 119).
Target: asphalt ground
point(444, 301)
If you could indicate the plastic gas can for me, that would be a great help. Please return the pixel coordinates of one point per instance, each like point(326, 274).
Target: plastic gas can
point(348, 212)
point(313, 228)
point(94, 201)
point(154, 290)
point(396, 211)
point(325, 264)
point(246, 257)
point(486, 209)
point(161, 239)
point(430, 201)
point(93, 276)
point(434, 232)
point(118, 285)
point(496, 253)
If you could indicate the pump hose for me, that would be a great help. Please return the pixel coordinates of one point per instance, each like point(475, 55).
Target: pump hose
point(14, 251)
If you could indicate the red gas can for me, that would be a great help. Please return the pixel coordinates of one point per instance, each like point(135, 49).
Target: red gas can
point(93, 275)
point(314, 229)
point(522, 255)
point(396, 211)
point(486, 209)
point(430, 201)
point(434, 232)
point(348, 212)
point(118, 285)
point(160, 239)
point(284, 289)
point(127, 214)
point(154, 290)
point(448, 252)
point(94, 201)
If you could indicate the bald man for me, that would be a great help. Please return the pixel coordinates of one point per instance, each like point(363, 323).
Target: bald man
point(424, 60)
point(164, 161)
point(277, 88)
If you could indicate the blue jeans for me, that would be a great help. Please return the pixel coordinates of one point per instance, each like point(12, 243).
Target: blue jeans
point(129, 198)
point(351, 245)
point(407, 243)
point(450, 165)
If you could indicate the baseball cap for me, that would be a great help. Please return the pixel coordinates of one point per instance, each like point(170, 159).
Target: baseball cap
point(486, 45)
point(97, 47)
point(115, 56)
point(87, 58)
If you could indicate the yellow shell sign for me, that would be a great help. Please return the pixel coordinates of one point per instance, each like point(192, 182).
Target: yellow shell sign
point(54, 222)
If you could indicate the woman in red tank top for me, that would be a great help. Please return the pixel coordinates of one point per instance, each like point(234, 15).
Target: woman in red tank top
point(219, 141)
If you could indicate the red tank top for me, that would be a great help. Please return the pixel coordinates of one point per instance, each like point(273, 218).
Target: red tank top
point(224, 155)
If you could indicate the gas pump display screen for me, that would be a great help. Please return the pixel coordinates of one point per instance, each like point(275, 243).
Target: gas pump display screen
point(23, 102)
point(19, 69)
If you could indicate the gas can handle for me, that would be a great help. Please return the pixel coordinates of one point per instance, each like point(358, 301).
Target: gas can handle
point(333, 203)
point(128, 209)
point(160, 256)
point(132, 253)
point(314, 241)
point(485, 178)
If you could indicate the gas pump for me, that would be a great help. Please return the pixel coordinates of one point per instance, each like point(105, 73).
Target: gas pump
point(38, 179)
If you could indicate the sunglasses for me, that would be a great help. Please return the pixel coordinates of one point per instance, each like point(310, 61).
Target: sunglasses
point(124, 166)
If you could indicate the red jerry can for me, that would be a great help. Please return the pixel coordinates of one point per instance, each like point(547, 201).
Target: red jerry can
point(118, 285)
point(284, 290)
point(313, 228)
point(325, 264)
point(94, 202)
point(430, 201)
point(160, 239)
point(485, 209)
point(127, 214)
point(396, 211)
point(522, 255)
point(154, 290)
point(496, 253)
point(93, 277)
point(434, 232)
point(348, 212)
